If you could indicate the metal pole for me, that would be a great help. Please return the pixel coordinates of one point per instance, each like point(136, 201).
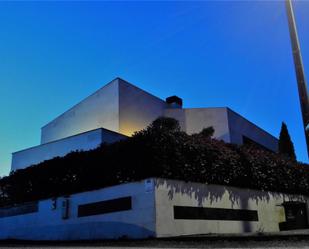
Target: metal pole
point(299, 69)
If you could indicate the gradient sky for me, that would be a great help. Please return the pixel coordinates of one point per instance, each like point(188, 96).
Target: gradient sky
point(212, 54)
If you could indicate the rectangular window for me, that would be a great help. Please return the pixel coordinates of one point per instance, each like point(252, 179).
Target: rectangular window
point(200, 213)
point(104, 207)
point(26, 208)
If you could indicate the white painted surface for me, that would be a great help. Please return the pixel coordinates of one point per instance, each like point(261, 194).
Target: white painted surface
point(137, 108)
point(47, 224)
point(121, 107)
point(118, 106)
point(151, 214)
point(171, 193)
point(229, 126)
point(240, 127)
point(100, 110)
point(194, 120)
point(85, 141)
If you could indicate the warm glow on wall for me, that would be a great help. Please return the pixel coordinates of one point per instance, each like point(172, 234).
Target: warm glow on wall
point(129, 128)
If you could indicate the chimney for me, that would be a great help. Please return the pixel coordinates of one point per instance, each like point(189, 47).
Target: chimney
point(174, 102)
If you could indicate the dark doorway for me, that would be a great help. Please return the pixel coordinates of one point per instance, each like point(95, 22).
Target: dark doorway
point(296, 216)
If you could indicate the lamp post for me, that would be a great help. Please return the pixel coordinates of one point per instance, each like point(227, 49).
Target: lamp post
point(299, 70)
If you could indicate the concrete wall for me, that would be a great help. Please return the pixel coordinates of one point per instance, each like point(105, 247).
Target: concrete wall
point(171, 193)
point(151, 213)
point(85, 141)
point(194, 120)
point(137, 108)
point(48, 224)
point(199, 118)
point(229, 126)
point(178, 114)
point(240, 127)
point(100, 110)
point(119, 106)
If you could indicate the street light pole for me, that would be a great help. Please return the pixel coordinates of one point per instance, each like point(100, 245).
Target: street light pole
point(299, 69)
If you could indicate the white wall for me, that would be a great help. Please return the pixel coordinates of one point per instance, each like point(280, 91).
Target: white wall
point(151, 214)
point(47, 224)
point(121, 107)
point(179, 115)
point(239, 127)
point(137, 108)
point(229, 126)
point(194, 120)
point(85, 141)
point(170, 193)
point(118, 106)
point(100, 110)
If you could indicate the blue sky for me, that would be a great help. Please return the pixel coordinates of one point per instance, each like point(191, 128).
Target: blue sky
point(212, 53)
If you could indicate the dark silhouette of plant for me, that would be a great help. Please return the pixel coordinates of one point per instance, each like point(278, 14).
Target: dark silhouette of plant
point(161, 150)
point(207, 132)
point(286, 146)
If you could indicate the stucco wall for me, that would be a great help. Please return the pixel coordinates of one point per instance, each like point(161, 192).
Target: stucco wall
point(100, 110)
point(151, 213)
point(194, 120)
point(229, 126)
point(137, 108)
point(178, 114)
point(171, 193)
point(47, 224)
point(119, 106)
point(239, 127)
point(85, 141)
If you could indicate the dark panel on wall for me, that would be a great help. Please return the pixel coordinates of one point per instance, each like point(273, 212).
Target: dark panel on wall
point(295, 215)
point(26, 208)
point(200, 213)
point(104, 207)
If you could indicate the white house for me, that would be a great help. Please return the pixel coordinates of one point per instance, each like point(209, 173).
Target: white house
point(119, 109)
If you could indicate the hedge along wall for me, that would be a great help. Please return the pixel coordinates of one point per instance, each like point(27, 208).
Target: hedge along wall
point(161, 150)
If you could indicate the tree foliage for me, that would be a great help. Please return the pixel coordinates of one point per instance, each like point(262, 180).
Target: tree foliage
point(206, 132)
point(286, 146)
point(160, 150)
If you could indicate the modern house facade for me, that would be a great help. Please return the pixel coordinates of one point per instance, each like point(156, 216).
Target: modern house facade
point(154, 208)
point(81, 142)
point(119, 109)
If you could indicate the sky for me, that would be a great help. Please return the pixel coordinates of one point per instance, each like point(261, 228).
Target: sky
point(210, 53)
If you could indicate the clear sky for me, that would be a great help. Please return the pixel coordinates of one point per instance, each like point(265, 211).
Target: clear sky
point(212, 54)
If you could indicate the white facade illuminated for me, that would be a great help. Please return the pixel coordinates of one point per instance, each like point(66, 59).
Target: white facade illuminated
point(120, 109)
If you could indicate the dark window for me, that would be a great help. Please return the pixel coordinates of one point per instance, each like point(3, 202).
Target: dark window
point(26, 208)
point(200, 213)
point(296, 216)
point(104, 207)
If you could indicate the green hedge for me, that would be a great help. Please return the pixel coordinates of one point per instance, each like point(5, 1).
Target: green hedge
point(161, 150)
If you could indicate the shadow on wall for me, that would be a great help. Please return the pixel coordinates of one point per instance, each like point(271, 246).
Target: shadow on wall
point(239, 198)
point(214, 193)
